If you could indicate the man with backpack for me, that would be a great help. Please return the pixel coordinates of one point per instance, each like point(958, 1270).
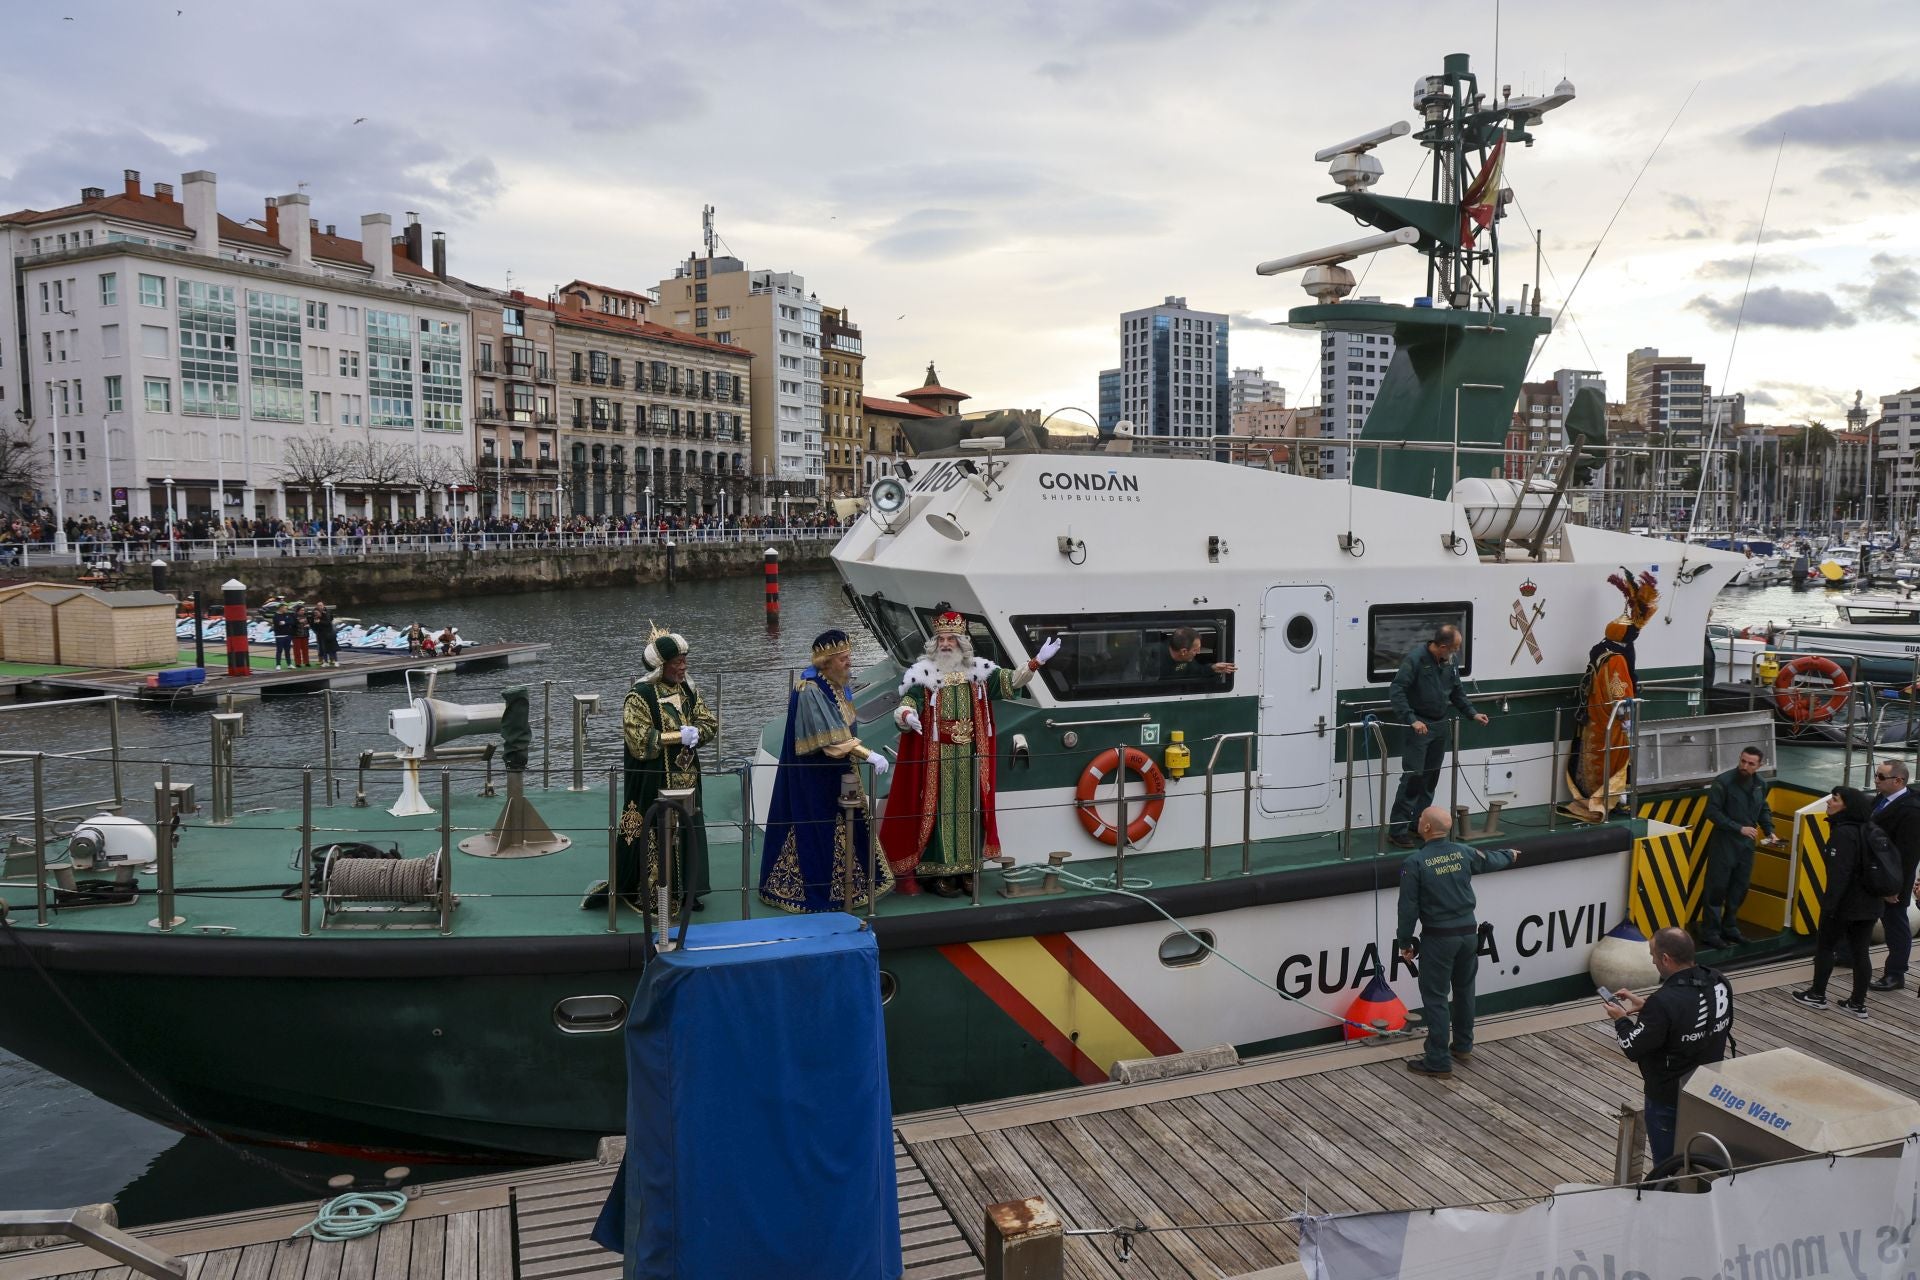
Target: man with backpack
point(1863, 874)
point(1684, 1023)
point(1896, 811)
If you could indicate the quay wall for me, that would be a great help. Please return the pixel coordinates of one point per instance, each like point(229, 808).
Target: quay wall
point(348, 580)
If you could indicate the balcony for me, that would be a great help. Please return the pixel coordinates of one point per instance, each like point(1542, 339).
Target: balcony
point(658, 384)
point(518, 368)
point(519, 464)
point(543, 374)
point(549, 464)
point(579, 420)
point(617, 380)
point(489, 413)
point(579, 375)
point(484, 367)
point(545, 420)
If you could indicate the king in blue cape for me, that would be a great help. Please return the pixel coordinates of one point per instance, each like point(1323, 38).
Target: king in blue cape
point(817, 855)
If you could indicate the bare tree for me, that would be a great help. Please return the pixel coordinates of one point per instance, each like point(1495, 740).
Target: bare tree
point(428, 467)
point(21, 470)
point(310, 461)
point(380, 464)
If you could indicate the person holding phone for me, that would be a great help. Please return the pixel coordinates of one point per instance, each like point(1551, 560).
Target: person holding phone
point(1687, 1021)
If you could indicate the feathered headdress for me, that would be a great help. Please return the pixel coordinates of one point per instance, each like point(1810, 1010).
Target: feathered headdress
point(1642, 594)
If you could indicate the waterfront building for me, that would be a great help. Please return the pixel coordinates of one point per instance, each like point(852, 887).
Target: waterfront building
point(1109, 400)
point(653, 420)
point(1173, 372)
point(884, 418)
point(1246, 387)
point(769, 312)
point(1277, 422)
point(1668, 396)
point(842, 422)
point(1352, 366)
point(1898, 442)
point(206, 366)
point(515, 396)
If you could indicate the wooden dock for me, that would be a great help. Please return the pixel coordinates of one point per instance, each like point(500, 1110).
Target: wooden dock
point(1323, 1129)
point(356, 670)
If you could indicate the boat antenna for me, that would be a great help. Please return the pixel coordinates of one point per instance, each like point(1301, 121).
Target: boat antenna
point(1567, 303)
point(1733, 344)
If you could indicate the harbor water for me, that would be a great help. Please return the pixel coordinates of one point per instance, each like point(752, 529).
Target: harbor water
point(63, 1147)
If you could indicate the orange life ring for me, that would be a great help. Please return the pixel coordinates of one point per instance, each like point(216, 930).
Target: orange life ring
point(1805, 704)
point(1139, 763)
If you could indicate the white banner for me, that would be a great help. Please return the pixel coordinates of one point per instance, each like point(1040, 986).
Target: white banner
point(1852, 1217)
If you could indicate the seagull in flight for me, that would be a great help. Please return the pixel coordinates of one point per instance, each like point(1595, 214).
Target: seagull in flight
point(361, 120)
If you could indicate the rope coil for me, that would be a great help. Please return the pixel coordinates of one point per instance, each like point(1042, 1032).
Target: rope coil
point(383, 879)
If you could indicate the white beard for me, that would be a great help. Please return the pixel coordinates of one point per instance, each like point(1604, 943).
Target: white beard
point(948, 661)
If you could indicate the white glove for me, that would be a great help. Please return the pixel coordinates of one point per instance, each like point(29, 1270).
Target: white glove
point(879, 763)
point(1047, 650)
point(689, 736)
point(910, 720)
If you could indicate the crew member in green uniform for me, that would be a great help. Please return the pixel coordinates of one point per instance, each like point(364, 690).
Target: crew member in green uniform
point(664, 723)
point(1737, 808)
point(1436, 892)
point(1425, 688)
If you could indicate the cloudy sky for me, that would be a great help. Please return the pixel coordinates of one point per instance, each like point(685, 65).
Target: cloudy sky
point(991, 184)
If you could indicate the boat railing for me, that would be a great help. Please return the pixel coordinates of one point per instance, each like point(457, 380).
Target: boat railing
point(1851, 661)
point(118, 800)
point(1220, 740)
point(1372, 725)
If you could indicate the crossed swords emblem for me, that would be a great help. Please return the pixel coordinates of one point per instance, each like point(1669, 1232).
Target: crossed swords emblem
point(1523, 622)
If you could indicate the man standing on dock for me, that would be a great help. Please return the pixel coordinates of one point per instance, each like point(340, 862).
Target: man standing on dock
point(1425, 689)
point(1436, 892)
point(1684, 1023)
point(1737, 808)
point(1896, 811)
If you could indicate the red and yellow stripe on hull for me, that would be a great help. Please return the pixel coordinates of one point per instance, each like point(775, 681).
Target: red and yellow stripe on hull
point(1066, 1002)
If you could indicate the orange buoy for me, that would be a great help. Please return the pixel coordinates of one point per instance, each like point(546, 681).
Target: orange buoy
point(1376, 1009)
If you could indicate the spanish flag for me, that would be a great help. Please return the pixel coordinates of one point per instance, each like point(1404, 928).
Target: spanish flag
point(1483, 195)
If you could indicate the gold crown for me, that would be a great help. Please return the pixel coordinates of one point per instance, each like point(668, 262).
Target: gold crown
point(949, 624)
point(829, 650)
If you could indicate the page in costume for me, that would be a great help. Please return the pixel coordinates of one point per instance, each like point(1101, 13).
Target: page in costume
point(816, 855)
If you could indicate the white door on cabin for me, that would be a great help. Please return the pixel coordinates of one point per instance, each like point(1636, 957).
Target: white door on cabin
point(1296, 699)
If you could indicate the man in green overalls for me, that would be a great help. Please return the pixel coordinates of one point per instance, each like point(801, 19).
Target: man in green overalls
point(1424, 691)
point(1737, 807)
point(1436, 892)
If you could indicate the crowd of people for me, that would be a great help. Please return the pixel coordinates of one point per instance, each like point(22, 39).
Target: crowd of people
point(140, 536)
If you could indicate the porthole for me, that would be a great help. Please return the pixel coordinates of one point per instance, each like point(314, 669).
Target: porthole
point(1182, 950)
point(888, 985)
point(582, 1015)
point(1299, 632)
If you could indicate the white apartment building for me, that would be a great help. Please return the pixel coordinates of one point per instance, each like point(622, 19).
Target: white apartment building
point(1898, 445)
point(259, 368)
point(1173, 371)
point(1249, 387)
point(1352, 366)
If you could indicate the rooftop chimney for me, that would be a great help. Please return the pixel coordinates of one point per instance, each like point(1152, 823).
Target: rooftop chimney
point(411, 235)
point(273, 217)
point(440, 254)
point(333, 229)
point(163, 192)
point(133, 181)
point(296, 231)
point(202, 209)
point(93, 193)
point(376, 245)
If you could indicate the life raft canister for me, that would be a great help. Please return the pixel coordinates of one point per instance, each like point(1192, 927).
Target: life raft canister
point(1811, 702)
point(1142, 766)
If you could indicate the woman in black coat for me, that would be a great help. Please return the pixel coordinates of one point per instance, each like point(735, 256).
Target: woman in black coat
point(1847, 909)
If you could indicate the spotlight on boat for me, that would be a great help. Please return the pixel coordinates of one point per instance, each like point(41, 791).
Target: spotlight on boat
point(946, 526)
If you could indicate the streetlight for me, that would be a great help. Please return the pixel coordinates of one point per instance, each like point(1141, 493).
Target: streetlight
point(647, 495)
point(327, 513)
point(170, 536)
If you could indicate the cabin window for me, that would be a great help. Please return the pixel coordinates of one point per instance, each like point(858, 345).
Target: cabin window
point(895, 627)
point(889, 987)
point(1119, 655)
point(1182, 950)
point(1394, 629)
point(577, 1015)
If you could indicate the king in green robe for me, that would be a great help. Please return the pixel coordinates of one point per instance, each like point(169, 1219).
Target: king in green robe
point(664, 722)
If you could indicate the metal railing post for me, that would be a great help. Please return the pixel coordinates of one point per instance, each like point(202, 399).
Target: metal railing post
point(719, 703)
point(1453, 806)
point(1853, 687)
point(613, 852)
point(1346, 826)
point(1120, 828)
point(113, 739)
point(746, 837)
point(163, 832)
point(1246, 803)
point(1633, 757)
point(446, 852)
point(1553, 778)
point(979, 818)
point(1380, 828)
point(306, 853)
point(546, 735)
point(584, 704)
point(40, 838)
point(326, 744)
point(873, 843)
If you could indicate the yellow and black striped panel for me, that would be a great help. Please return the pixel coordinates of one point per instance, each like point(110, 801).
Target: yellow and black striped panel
point(1681, 811)
point(1816, 834)
point(1667, 881)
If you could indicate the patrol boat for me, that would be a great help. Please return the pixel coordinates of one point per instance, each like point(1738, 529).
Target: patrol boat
point(456, 1001)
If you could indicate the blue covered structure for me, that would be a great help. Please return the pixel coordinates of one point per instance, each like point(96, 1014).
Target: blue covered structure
point(759, 1125)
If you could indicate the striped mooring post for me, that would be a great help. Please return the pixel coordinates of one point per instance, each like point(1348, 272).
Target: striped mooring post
point(773, 588)
point(233, 593)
